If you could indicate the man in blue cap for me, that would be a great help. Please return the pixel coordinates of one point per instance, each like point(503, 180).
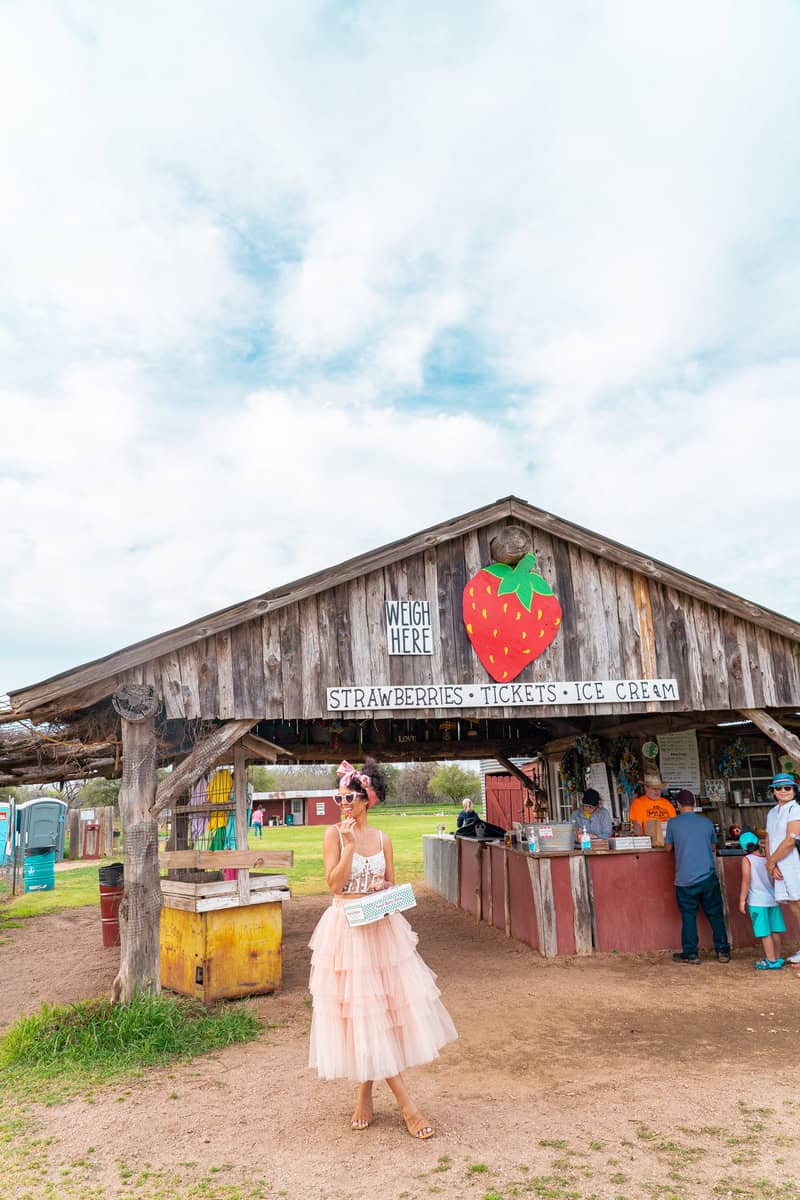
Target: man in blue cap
point(692, 837)
point(783, 861)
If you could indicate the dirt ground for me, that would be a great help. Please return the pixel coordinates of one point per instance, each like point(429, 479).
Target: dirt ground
point(603, 1078)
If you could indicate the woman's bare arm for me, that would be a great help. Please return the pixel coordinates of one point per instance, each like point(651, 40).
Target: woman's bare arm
point(389, 856)
point(337, 859)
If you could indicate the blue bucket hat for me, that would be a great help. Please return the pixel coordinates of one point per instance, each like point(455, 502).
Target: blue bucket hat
point(748, 839)
point(784, 779)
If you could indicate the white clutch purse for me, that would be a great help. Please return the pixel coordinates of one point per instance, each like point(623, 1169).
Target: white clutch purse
point(366, 909)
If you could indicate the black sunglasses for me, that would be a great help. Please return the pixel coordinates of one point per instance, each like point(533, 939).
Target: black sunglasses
point(349, 798)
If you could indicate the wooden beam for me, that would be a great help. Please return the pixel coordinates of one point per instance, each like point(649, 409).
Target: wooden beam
point(240, 791)
point(217, 860)
point(262, 749)
point(204, 755)
point(788, 742)
point(516, 772)
point(641, 726)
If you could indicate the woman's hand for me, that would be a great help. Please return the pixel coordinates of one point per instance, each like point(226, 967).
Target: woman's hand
point(743, 907)
point(347, 830)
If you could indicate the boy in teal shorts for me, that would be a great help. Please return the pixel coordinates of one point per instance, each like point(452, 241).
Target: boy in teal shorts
point(757, 896)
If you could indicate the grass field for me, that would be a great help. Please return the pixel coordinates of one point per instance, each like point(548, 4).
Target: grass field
point(74, 888)
point(405, 826)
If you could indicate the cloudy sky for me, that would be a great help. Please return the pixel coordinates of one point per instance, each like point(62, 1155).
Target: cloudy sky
point(280, 282)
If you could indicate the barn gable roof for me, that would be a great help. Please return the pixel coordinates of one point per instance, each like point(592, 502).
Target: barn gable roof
point(91, 679)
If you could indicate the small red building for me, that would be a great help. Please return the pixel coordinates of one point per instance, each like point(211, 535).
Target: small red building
point(303, 807)
point(504, 795)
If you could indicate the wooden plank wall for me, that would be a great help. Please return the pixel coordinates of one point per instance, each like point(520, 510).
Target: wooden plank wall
point(617, 624)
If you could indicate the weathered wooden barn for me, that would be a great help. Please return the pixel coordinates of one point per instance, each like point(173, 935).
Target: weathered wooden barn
point(504, 631)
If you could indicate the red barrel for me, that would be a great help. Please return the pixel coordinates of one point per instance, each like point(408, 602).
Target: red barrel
point(112, 889)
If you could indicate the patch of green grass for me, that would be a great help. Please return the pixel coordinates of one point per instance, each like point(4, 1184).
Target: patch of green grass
point(477, 1168)
point(405, 826)
point(551, 1187)
point(75, 888)
point(96, 1041)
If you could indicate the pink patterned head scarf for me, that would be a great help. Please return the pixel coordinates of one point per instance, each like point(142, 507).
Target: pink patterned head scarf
point(346, 773)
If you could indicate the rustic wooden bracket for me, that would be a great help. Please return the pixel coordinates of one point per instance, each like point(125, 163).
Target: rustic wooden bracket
point(135, 701)
point(515, 771)
point(789, 742)
point(204, 755)
point(511, 544)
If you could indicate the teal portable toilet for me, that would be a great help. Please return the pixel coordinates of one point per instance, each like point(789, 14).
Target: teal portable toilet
point(39, 871)
point(41, 825)
point(7, 825)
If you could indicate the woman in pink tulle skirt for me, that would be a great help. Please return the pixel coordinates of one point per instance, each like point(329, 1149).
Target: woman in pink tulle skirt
point(376, 1004)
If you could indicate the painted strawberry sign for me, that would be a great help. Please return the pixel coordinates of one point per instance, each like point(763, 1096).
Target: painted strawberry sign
point(511, 615)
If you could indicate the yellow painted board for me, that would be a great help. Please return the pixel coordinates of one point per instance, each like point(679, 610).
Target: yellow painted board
point(222, 954)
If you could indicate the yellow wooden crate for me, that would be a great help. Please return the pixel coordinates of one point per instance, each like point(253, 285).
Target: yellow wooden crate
point(222, 954)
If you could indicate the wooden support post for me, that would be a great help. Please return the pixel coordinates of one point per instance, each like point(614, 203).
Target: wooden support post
point(106, 831)
point(74, 832)
point(140, 910)
point(544, 905)
point(581, 907)
point(506, 895)
point(489, 888)
point(240, 791)
point(459, 848)
point(789, 742)
point(479, 887)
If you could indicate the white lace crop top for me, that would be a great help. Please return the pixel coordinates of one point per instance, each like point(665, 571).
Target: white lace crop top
point(364, 868)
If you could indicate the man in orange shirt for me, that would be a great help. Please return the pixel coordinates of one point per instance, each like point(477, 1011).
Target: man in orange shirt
point(651, 806)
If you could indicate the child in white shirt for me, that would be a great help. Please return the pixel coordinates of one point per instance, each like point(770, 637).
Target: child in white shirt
point(757, 896)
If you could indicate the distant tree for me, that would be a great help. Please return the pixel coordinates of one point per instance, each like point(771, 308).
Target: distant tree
point(99, 793)
point(392, 774)
point(411, 783)
point(263, 779)
point(450, 782)
point(304, 777)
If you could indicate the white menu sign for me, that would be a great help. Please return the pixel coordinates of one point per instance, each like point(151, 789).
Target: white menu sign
point(679, 760)
point(597, 778)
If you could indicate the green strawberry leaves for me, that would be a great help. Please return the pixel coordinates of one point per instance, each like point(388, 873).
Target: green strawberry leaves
point(521, 581)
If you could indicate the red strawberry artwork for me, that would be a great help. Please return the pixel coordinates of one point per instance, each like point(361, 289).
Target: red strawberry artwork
point(511, 615)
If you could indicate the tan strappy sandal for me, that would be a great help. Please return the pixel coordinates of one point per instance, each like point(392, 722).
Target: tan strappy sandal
point(418, 1127)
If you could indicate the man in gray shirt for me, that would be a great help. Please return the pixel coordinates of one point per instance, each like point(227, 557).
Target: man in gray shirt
point(591, 817)
point(693, 839)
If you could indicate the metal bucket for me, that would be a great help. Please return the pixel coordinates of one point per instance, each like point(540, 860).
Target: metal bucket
point(112, 890)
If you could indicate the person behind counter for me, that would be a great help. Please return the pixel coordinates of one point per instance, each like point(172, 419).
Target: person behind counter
point(692, 837)
point(651, 806)
point(592, 816)
point(467, 816)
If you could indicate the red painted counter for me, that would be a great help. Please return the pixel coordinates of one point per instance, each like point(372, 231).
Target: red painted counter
point(585, 902)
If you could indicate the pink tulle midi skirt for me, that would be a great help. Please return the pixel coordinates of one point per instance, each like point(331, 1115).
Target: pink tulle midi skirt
point(377, 1009)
